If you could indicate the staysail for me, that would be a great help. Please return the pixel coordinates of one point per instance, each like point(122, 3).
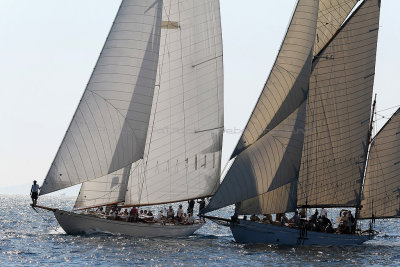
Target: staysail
point(381, 194)
point(108, 129)
point(182, 155)
point(338, 113)
point(274, 131)
point(106, 190)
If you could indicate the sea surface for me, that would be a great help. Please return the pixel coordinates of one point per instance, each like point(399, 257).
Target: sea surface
point(31, 239)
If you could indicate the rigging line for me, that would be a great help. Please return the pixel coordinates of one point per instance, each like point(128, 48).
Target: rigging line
point(387, 109)
point(40, 215)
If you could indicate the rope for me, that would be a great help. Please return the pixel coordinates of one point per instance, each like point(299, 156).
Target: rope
point(54, 228)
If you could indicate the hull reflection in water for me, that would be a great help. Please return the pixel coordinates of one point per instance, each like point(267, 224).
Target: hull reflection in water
point(74, 224)
point(248, 232)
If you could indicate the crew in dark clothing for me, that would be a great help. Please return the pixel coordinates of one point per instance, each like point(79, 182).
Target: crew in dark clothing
point(191, 206)
point(202, 205)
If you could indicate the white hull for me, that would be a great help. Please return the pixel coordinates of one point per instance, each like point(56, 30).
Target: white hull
point(73, 224)
point(248, 232)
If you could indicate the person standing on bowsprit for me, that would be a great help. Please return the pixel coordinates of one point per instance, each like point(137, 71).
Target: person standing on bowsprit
point(34, 193)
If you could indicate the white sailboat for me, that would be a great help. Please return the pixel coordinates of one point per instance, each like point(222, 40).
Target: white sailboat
point(307, 143)
point(148, 129)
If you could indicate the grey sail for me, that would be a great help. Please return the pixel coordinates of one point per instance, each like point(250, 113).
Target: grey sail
point(338, 113)
point(381, 194)
point(108, 130)
point(106, 190)
point(262, 175)
point(331, 15)
point(287, 84)
point(182, 155)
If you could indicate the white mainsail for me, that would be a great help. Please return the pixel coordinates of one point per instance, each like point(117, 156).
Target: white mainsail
point(183, 148)
point(338, 113)
point(109, 127)
point(381, 194)
point(265, 141)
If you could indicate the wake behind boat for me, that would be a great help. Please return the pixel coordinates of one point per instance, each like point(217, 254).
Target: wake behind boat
point(308, 143)
point(148, 129)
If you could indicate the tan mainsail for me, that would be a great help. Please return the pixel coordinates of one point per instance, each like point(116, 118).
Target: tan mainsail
point(333, 65)
point(338, 113)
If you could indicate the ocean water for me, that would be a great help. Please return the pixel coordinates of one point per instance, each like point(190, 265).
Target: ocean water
point(29, 238)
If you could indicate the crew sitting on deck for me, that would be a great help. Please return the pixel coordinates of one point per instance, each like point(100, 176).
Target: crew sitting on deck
point(133, 214)
point(267, 218)
point(170, 213)
point(324, 223)
point(179, 214)
point(190, 219)
point(347, 222)
point(254, 218)
point(160, 216)
point(313, 221)
point(284, 220)
point(295, 220)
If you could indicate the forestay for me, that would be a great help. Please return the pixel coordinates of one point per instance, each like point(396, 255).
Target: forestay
point(381, 194)
point(108, 129)
point(183, 148)
point(338, 113)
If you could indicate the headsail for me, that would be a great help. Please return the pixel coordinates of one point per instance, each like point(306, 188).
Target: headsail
point(381, 194)
point(271, 144)
point(338, 113)
point(183, 148)
point(108, 130)
point(287, 83)
point(106, 190)
point(263, 175)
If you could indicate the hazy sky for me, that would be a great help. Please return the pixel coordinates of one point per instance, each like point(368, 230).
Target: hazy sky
point(48, 49)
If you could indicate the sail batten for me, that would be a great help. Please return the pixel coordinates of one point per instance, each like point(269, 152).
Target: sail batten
point(108, 130)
